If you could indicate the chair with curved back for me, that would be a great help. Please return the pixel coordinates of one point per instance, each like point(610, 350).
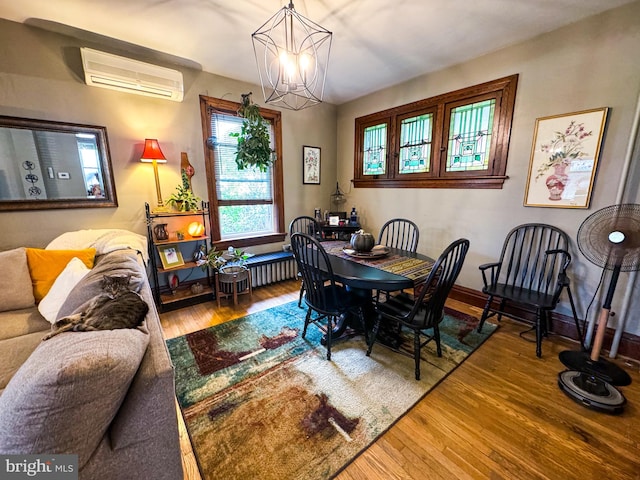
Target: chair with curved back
point(530, 273)
point(308, 226)
point(322, 294)
point(400, 233)
point(425, 310)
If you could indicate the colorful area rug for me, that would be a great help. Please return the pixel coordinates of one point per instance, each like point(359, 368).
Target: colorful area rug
point(260, 402)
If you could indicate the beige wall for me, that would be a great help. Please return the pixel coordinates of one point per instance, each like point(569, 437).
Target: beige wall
point(587, 65)
point(41, 77)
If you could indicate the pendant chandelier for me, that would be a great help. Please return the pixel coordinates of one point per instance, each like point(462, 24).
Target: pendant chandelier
point(292, 54)
point(337, 197)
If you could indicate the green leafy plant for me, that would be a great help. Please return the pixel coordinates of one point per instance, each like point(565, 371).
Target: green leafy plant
point(183, 198)
point(254, 149)
point(216, 259)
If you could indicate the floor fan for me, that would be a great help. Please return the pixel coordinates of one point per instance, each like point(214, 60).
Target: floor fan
point(608, 238)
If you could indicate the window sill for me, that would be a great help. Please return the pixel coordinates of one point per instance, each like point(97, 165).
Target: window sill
point(249, 241)
point(477, 182)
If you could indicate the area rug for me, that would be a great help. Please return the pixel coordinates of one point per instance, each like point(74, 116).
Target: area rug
point(261, 402)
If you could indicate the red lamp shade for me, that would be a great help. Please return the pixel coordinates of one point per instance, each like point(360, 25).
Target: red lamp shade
point(152, 152)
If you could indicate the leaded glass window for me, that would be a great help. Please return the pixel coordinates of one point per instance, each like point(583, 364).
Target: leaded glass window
point(375, 150)
point(415, 144)
point(458, 139)
point(470, 133)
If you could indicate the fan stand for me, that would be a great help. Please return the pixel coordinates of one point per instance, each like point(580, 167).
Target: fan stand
point(590, 378)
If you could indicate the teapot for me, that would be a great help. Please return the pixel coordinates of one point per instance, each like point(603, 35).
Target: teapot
point(161, 232)
point(362, 241)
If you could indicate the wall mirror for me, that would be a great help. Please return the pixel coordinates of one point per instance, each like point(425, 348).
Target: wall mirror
point(47, 165)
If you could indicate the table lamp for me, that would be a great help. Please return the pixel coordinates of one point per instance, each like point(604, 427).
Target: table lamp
point(152, 154)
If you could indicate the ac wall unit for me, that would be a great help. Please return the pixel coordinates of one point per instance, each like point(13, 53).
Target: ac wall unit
point(126, 75)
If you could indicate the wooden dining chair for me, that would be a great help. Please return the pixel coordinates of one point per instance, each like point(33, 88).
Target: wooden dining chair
point(400, 233)
point(531, 273)
point(308, 226)
point(323, 295)
point(423, 312)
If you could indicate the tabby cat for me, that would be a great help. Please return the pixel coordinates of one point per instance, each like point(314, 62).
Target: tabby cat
point(117, 306)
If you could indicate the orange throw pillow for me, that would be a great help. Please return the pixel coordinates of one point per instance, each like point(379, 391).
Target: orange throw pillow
point(46, 265)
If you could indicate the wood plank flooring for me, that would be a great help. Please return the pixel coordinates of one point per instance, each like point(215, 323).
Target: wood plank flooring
point(500, 415)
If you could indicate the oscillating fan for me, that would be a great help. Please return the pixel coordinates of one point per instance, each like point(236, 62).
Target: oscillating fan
point(609, 238)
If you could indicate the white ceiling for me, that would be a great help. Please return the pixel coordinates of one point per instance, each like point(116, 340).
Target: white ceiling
point(376, 43)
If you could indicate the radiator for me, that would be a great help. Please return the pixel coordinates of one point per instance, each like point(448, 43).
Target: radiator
point(273, 272)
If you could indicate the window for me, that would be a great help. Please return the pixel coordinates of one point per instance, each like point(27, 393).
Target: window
point(246, 206)
point(456, 140)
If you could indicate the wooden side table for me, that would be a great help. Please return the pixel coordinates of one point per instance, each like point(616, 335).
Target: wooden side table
point(232, 281)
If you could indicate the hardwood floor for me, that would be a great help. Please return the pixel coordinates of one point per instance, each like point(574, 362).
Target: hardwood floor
point(500, 415)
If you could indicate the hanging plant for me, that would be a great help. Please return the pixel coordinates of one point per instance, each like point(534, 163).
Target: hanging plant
point(254, 150)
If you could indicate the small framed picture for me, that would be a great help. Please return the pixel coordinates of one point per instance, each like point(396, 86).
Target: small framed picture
point(310, 165)
point(170, 256)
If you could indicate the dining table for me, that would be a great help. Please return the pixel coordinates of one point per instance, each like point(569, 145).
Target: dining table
point(389, 270)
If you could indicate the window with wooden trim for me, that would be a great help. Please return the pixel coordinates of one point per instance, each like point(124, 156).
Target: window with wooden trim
point(455, 140)
point(246, 206)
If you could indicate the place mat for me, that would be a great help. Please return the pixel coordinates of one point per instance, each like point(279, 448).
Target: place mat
point(416, 269)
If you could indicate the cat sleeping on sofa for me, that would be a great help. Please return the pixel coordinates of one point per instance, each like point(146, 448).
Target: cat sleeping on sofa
point(117, 306)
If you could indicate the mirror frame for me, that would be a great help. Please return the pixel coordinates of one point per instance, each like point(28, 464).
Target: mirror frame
point(110, 198)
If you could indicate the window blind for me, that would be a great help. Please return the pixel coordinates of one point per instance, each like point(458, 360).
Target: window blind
point(233, 184)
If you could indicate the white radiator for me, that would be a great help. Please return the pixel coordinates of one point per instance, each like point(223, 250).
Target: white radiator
point(273, 272)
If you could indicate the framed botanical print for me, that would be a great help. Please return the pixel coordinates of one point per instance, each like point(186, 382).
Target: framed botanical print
point(170, 256)
point(310, 165)
point(564, 159)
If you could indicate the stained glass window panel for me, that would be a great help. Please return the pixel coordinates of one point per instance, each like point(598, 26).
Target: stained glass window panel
point(415, 144)
point(470, 133)
point(374, 158)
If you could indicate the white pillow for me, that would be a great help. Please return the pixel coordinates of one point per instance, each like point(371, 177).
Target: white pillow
point(50, 305)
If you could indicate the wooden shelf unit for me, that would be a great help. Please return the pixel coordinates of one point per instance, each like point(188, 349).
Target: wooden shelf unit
point(165, 297)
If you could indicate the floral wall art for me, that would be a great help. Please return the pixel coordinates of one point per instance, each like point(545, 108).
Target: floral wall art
point(564, 159)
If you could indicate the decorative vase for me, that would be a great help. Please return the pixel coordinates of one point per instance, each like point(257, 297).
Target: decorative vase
point(557, 181)
point(161, 232)
point(173, 281)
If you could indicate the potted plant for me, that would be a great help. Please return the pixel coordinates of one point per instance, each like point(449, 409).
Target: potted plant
point(230, 269)
point(183, 198)
point(254, 149)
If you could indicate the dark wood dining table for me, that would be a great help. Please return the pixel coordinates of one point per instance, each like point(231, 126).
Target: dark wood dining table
point(397, 270)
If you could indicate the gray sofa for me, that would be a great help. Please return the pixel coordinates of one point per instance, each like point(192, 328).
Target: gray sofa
point(107, 396)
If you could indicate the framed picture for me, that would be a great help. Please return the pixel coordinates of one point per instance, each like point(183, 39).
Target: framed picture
point(170, 256)
point(564, 159)
point(310, 165)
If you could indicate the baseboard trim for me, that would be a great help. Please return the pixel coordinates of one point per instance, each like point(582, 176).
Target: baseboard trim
point(560, 324)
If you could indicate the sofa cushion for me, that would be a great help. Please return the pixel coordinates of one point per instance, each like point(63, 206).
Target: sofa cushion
point(15, 323)
point(46, 265)
point(66, 394)
point(116, 263)
point(15, 351)
point(50, 305)
point(15, 282)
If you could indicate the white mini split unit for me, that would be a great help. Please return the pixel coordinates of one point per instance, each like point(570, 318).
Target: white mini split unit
point(126, 75)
